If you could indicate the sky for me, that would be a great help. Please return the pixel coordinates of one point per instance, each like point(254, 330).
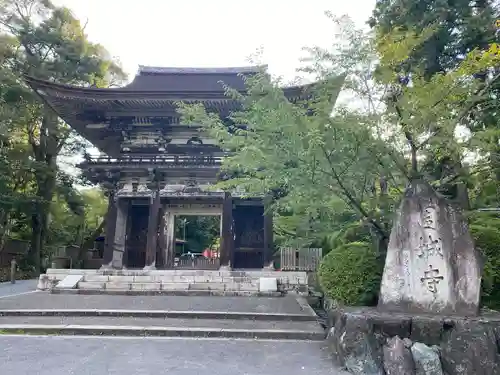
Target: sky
point(215, 33)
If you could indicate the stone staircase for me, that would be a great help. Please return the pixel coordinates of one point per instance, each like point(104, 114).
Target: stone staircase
point(173, 282)
point(288, 317)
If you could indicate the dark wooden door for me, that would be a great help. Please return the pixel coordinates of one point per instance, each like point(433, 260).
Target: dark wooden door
point(249, 236)
point(137, 238)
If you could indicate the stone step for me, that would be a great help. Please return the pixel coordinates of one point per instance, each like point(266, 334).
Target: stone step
point(89, 330)
point(227, 328)
point(169, 279)
point(164, 314)
point(165, 292)
point(111, 285)
point(286, 280)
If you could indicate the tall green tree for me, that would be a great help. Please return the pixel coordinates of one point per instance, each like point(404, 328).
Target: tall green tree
point(48, 42)
point(460, 27)
point(332, 161)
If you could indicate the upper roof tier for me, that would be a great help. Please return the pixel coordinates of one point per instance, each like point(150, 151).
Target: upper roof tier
point(152, 78)
point(99, 114)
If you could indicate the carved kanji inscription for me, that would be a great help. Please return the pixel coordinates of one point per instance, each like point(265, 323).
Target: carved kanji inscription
point(431, 278)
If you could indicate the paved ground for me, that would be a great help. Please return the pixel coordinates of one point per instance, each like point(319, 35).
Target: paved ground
point(19, 288)
point(54, 355)
point(158, 322)
point(44, 300)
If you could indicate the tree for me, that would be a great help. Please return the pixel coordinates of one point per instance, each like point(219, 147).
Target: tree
point(329, 162)
point(460, 27)
point(48, 43)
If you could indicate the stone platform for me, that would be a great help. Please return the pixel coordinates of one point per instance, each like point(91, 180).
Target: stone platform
point(286, 318)
point(175, 282)
point(366, 341)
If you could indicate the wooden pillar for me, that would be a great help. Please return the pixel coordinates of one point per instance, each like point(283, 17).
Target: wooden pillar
point(152, 235)
point(268, 234)
point(226, 240)
point(128, 229)
point(119, 244)
point(110, 228)
point(162, 241)
point(170, 238)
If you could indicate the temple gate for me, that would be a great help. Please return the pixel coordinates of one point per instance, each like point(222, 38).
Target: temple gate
point(156, 168)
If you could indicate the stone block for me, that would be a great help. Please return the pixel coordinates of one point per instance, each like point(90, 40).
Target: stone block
point(232, 286)
point(426, 360)
point(69, 282)
point(204, 279)
point(175, 286)
point(121, 279)
point(397, 358)
point(200, 286)
point(117, 259)
point(145, 286)
point(144, 279)
point(251, 287)
point(43, 282)
point(268, 284)
point(117, 286)
point(216, 286)
point(93, 285)
point(462, 346)
point(471, 347)
point(99, 278)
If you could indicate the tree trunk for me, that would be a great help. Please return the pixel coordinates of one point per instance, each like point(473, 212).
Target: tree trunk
point(45, 153)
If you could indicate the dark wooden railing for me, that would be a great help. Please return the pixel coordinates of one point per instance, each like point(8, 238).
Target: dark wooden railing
point(198, 264)
point(158, 159)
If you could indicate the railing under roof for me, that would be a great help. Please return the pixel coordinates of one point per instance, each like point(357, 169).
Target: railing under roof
point(158, 159)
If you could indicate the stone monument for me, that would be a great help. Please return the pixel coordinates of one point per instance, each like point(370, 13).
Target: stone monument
point(427, 321)
point(432, 265)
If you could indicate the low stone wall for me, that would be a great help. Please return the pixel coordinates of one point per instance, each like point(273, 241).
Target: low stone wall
point(287, 281)
point(368, 342)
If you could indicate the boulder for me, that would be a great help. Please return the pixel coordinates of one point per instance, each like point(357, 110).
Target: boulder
point(397, 358)
point(470, 348)
point(358, 348)
point(426, 360)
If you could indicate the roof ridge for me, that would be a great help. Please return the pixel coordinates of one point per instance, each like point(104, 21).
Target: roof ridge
point(144, 69)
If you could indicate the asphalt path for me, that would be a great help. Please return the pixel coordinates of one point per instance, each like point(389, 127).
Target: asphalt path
point(19, 288)
point(63, 355)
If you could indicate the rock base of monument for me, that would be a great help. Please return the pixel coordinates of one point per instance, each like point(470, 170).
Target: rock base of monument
point(367, 341)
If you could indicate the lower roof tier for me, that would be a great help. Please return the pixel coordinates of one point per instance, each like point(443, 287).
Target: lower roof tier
point(90, 110)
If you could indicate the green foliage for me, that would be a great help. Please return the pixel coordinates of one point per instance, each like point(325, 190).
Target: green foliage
point(200, 232)
point(325, 163)
point(47, 42)
point(484, 228)
point(350, 274)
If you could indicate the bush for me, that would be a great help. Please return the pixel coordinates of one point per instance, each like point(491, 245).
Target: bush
point(350, 274)
point(485, 231)
point(20, 275)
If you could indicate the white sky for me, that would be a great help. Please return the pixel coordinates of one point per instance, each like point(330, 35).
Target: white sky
point(215, 33)
point(201, 33)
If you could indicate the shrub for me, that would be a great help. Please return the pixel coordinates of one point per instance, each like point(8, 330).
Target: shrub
point(485, 231)
point(20, 274)
point(350, 274)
